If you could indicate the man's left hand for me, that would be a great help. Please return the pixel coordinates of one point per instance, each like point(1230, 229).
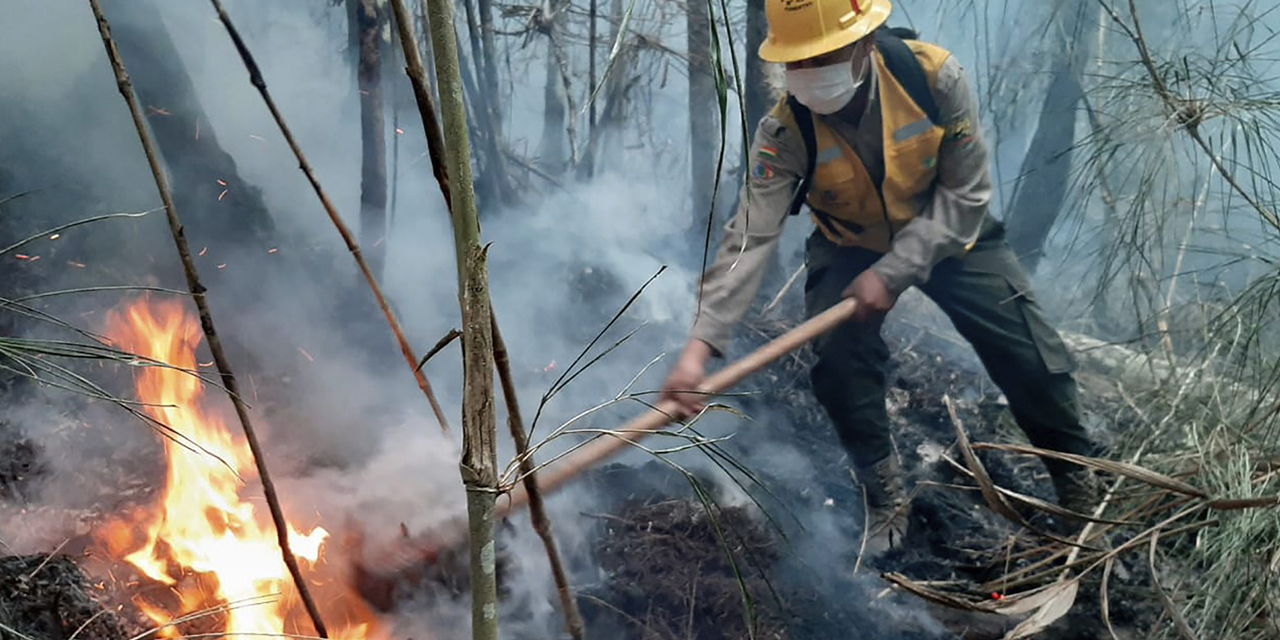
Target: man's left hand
point(872, 294)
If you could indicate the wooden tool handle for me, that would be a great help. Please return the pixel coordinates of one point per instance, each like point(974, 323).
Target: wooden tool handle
point(596, 451)
point(379, 566)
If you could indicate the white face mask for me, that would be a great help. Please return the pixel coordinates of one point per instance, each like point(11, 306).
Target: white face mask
point(828, 89)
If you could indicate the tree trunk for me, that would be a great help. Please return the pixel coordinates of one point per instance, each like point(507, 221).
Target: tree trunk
point(425, 46)
point(586, 168)
point(494, 185)
point(757, 88)
point(220, 210)
point(479, 465)
point(703, 106)
point(551, 154)
point(607, 134)
point(476, 41)
point(490, 75)
point(1041, 191)
point(370, 18)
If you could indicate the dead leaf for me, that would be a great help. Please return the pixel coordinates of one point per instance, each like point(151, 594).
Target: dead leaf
point(933, 595)
point(979, 472)
point(1108, 466)
point(1060, 598)
point(1026, 602)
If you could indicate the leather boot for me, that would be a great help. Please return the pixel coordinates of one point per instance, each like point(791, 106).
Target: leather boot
point(887, 519)
point(1078, 489)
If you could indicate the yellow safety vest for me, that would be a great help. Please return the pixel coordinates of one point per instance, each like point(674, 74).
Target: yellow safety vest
point(852, 212)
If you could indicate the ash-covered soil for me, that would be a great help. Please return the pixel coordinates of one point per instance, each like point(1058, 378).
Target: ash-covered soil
point(795, 550)
point(50, 598)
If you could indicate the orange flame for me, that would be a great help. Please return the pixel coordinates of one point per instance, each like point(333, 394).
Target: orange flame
point(202, 525)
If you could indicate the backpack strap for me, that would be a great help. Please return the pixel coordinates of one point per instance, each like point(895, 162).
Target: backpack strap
point(905, 67)
point(804, 122)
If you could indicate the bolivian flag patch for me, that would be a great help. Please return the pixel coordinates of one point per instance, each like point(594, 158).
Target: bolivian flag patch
point(763, 168)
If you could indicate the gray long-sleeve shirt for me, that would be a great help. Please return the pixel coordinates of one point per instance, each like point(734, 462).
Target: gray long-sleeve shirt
point(948, 219)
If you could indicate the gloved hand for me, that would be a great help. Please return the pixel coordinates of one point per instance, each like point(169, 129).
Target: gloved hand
point(687, 375)
point(873, 296)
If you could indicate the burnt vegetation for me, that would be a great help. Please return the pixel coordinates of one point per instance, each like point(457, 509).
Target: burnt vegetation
point(1134, 152)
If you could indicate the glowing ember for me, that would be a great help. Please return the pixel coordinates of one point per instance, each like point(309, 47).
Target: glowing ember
point(210, 544)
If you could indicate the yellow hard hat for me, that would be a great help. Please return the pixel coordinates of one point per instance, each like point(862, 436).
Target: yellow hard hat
point(800, 29)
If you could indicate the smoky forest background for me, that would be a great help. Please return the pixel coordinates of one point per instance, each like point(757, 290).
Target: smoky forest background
point(1133, 149)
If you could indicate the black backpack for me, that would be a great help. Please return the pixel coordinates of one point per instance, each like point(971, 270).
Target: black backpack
point(905, 67)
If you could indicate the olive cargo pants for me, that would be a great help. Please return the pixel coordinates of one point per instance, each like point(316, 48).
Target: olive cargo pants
point(987, 295)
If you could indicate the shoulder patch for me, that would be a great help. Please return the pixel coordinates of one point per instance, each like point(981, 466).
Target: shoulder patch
point(958, 129)
point(960, 133)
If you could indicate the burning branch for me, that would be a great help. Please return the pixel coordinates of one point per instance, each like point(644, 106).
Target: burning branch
point(255, 78)
point(206, 319)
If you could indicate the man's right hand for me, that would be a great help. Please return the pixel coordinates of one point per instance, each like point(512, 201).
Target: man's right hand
point(685, 378)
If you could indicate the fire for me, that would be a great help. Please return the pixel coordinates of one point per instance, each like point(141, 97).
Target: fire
point(212, 546)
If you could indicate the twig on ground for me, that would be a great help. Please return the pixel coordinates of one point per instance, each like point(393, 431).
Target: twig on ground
point(255, 78)
point(47, 558)
point(1180, 622)
point(783, 291)
point(206, 318)
point(866, 527)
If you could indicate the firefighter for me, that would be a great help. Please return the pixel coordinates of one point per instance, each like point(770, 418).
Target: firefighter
point(879, 135)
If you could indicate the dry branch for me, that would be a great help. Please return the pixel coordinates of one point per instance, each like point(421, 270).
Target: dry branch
point(1178, 620)
point(206, 318)
point(255, 78)
point(422, 93)
point(1179, 109)
point(537, 510)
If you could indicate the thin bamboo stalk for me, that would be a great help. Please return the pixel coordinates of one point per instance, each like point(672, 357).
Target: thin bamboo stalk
point(479, 464)
point(541, 522)
point(255, 77)
point(206, 319)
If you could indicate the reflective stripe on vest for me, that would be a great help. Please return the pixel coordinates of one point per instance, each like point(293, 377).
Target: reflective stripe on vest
point(852, 211)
